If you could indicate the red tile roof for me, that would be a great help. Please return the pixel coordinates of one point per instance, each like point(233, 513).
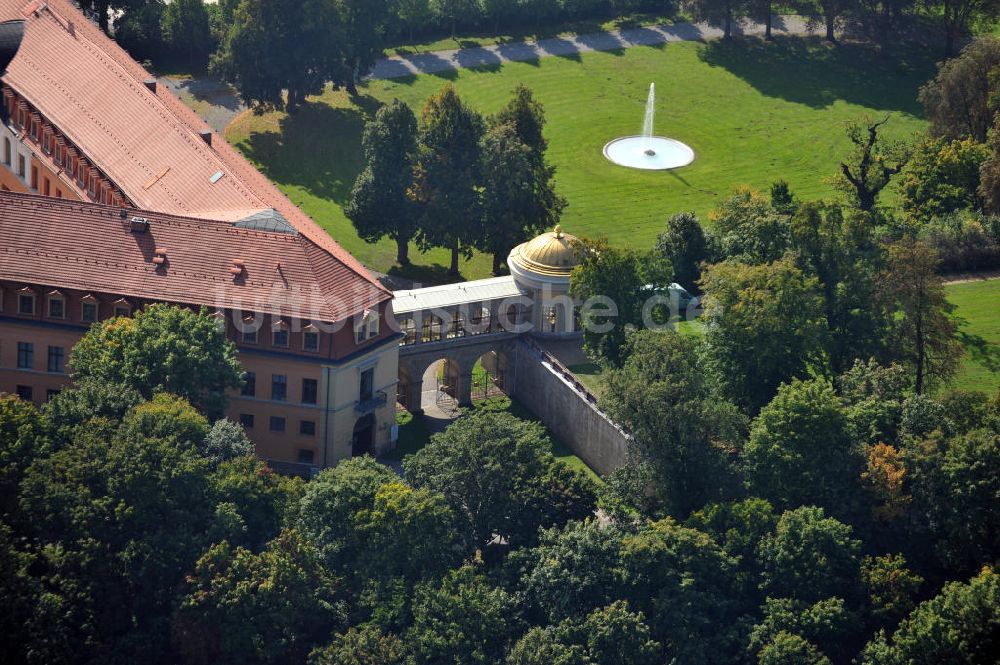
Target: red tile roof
point(89, 88)
point(90, 247)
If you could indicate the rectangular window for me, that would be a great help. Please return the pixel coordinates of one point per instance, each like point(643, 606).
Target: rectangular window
point(373, 325)
point(277, 424)
point(279, 387)
point(310, 341)
point(25, 355)
point(21, 170)
point(307, 428)
point(246, 419)
point(25, 393)
point(88, 312)
point(6, 151)
point(249, 336)
point(249, 385)
point(46, 142)
point(122, 310)
point(306, 456)
point(310, 388)
point(50, 393)
point(46, 187)
point(57, 308)
point(26, 303)
point(279, 338)
point(367, 384)
point(56, 358)
point(34, 178)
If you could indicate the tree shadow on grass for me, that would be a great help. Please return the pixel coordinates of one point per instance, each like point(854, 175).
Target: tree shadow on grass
point(317, 149)
point(422, 275)
point(808, 70)
point(981, 351)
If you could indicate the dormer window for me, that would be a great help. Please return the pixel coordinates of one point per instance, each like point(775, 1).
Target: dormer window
point(248, 328)
point(123, 308)
point(310, 338)
point(279, 334)
point(57, 305)
point(88, 309)
point(366, 326)
point(26, 302)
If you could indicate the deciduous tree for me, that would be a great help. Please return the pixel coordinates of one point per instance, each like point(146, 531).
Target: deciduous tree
point(960, 101)
point(449, 174)
point(382, 202)
point(872, 162)
point(924, 334)
point(162, 348)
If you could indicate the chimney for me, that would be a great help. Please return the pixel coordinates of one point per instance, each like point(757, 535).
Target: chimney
point(151, 84)
point(71, 29)
point(206, 136)
point(139, 225)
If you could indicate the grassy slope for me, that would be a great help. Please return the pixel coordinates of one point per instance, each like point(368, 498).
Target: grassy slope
point(978, 304)
point(753, 112)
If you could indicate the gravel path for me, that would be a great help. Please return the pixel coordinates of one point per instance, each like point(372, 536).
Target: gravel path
point(486, 56)
point(218, 103)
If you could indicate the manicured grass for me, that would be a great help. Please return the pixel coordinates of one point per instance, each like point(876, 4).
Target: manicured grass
point(978, 304)
point(754, 112)
point(591, 375)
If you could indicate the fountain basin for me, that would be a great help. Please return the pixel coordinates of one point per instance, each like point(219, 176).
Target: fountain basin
point(633, 152)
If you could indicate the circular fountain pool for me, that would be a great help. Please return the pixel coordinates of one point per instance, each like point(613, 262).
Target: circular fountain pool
point(652, 153)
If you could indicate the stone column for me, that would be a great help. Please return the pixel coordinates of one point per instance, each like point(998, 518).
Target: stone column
point(464, 387)
point(414, 395)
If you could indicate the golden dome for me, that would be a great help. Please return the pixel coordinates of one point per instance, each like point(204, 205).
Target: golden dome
point(553, 253)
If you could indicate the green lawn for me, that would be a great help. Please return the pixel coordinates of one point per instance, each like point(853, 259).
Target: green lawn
point(753, 112)
point(978, 304)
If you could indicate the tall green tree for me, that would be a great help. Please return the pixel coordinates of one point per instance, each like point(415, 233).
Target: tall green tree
point(308, 34)
point(508, 198)
point(448, 175)
point(924, 334)
point(749, 229)
point(463, 619)
point(162, 348)
point(271, 607)
point(954, 481)
point(365, 23)
point(942, 177)
point(840, 251)
point(543, 208)
point(615, 287)
point(719, 12)
point(681, 430)
point(413, 14)
point(960, 16)
point(960, 101)
point(498, 474)
point(810, 557)
point(959, 625)
point(802, 450)
point(685, 246)
point(764, 326)
point(186, 31)
point(382, 201)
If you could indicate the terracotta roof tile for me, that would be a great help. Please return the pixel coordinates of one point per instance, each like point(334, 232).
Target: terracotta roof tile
point(90, 247)
point(147, 143)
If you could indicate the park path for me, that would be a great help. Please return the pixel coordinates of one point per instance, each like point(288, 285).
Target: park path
point(437, 62)
point(218, 103)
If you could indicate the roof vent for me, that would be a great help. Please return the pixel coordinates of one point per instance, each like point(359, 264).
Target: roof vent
point(160, 256)
point(138, 225)
point(151, 84)
point(71, 28)
point(206, 136)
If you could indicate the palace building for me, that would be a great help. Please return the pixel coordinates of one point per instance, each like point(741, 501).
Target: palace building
point(114, 195)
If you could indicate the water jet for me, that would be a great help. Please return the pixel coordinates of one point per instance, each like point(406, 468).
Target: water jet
point(647, 151)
